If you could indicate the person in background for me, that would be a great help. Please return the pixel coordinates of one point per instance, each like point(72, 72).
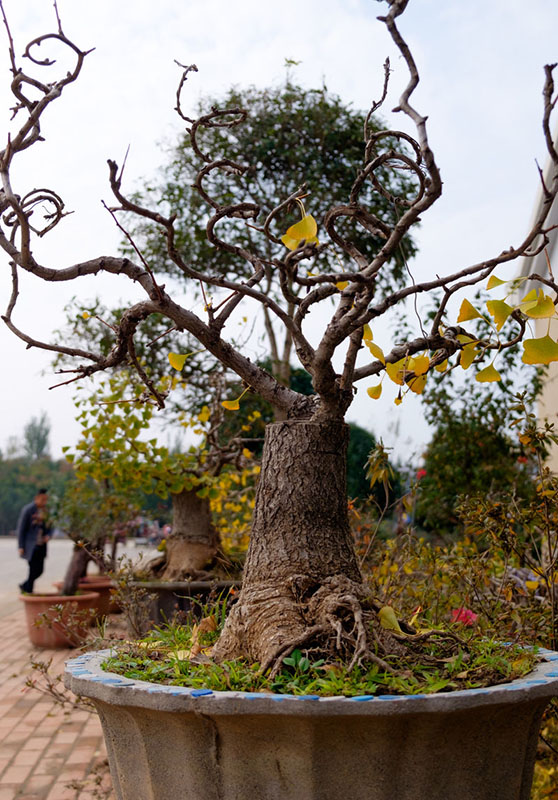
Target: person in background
point(33, 534)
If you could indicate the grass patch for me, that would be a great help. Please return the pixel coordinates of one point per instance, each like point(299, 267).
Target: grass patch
point(180, 655)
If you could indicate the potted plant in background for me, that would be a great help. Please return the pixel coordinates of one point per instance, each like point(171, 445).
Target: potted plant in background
point(93, 516)
point(89, 516)
point(117, 448)
point(302, 586)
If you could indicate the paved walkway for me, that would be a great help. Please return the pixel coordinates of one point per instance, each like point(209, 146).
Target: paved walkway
point(43, 748)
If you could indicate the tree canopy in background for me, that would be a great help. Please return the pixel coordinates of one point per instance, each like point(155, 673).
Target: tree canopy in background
point(290, 136)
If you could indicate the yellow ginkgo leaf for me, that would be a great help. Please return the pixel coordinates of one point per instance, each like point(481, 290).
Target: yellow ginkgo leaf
point(499, 310)
point(488, 374)
point(417, 384)
point(467, 312)
point(398, 400)
point(493, 282)
point(537, 305)
point(539, 351)
point(177, 360)
point(420, 365)
point(442, 367)
point(342, 285)
point(468, 355)
point(374, 391)
point(204, 414)
point(396, 371)
point(304, 230)
point(86, 315)
point(388, 619)
point(376, 351)
point(246, 453)
point(532, 586)
point(234, 405)
point(367, 333)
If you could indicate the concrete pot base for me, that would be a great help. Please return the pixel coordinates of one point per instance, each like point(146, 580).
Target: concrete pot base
point(170, 743)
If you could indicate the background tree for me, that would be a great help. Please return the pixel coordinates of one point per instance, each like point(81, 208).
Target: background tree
point(36, 437)
point(302, 584)
point(289, 136)
point(118, 451)
point(473, 448)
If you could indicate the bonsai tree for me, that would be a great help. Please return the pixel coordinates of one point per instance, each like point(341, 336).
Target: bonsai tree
point(302, 584)
point(112, 451)
point(91, 514)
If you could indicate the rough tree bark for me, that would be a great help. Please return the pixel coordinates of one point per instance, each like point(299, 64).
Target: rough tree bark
point(76, 570)
point(301, 560)
point(194, 542)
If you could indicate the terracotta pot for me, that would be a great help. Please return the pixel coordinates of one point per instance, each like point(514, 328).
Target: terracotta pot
point(173, 742)
point(67, 632)
point(101, 584)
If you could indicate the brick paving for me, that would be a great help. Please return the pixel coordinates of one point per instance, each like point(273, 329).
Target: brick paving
point(43, 747)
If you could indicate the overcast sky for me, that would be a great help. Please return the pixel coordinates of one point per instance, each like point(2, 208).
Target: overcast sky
point(481, 66)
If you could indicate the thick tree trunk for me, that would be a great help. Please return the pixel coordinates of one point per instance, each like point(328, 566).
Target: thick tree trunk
point(194, 542)
point(301, 559)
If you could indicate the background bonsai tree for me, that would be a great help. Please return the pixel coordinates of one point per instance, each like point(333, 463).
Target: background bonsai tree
point(118, 449)
point(302, 585)
point(91, 514)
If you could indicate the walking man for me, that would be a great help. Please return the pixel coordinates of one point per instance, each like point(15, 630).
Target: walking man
point(33, 534)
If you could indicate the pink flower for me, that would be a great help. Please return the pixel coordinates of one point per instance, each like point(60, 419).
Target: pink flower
point(421, 473)
point(464, 615)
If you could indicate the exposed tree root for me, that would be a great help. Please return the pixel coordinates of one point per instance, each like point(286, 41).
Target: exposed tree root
point(335, 621)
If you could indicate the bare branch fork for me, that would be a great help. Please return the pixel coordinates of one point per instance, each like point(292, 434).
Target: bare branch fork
point(357, 303)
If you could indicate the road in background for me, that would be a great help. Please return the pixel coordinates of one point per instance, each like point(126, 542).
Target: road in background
point(14, 570)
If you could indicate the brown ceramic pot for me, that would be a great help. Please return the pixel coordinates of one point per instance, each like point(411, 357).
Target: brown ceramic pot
point(67, 632)
point(101, 584)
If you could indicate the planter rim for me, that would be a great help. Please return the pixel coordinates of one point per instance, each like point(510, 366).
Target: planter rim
point(41, 597)
point(84, 676)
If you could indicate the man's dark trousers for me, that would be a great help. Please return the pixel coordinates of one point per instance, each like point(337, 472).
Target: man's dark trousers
point(36, 566)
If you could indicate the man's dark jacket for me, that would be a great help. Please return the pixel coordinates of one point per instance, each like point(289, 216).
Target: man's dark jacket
point(29, 529)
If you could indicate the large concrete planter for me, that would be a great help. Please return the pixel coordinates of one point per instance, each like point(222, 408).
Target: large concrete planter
point(171, 743)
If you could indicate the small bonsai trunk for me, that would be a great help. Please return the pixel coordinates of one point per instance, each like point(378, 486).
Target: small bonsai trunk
point(194, 542)
point(301, 555)
point(76, 570)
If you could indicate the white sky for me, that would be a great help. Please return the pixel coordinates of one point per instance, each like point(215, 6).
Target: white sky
point(481, 68)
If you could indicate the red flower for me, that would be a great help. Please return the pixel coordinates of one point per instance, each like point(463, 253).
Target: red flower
point(464, 615)
point(421, 473)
